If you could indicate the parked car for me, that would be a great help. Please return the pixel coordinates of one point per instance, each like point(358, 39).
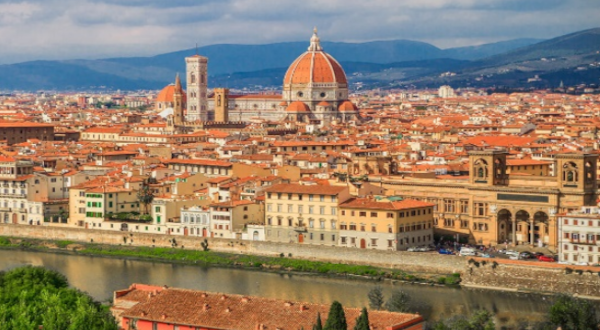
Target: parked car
point(512, 253)
point(537, 254)
point(546, 258)
point(503, 251)
point(467, 251)
point(514, 257)
point(444, 251)
point(526, 255)
point(582, 263)
point(412, 249)
point(487, 255)
point(424, 249)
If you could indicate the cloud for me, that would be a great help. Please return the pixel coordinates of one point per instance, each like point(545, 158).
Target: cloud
point(64, 29)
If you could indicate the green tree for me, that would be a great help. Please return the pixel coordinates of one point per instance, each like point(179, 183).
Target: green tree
point(481, 320)
point(362, 321)
point(318, 325)
point(399, 302)
point(573, 314)
point(376, 299)
point(34, 297)
point(145, 195)
point(336, 320)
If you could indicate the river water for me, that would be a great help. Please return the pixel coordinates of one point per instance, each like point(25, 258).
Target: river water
point(101, 276)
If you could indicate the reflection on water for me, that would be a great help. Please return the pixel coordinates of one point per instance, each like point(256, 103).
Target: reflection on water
point(101, 276)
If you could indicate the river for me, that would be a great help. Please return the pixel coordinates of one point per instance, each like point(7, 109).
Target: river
point(100, 276)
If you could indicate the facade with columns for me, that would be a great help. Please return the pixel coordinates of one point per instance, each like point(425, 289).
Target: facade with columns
point(493, 207)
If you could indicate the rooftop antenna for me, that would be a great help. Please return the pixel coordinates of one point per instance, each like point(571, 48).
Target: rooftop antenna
point(196, 48)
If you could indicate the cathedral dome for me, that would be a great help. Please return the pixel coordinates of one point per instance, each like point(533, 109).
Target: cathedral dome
point(347, 106)
point(297, 106)
point(166, 94)
point(315, 66)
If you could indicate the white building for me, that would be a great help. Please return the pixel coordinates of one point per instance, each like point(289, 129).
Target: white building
point(446, 92)
point(579, 236)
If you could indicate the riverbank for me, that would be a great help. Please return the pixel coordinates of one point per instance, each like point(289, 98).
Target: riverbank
point(283, 263)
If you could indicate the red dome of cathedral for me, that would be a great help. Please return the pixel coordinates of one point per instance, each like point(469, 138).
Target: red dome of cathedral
point(315, 66)
point(347, 106)
point(298, 106)
point(166, 94)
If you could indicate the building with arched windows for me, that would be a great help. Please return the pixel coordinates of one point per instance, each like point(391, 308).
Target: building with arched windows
point(491, 206)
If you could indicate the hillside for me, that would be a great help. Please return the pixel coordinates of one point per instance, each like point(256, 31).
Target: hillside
point(225, 60)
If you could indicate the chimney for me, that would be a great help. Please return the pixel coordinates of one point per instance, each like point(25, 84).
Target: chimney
point(245, 300)
point(164, 316)
point(227, 310)
point(303, 308)
point(223, 297)
point(288, 304)
point(205, 307)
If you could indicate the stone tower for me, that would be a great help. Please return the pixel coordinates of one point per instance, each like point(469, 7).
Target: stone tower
point(221, 104)
point(488, 167)
point(196, 78)
point(178, 115)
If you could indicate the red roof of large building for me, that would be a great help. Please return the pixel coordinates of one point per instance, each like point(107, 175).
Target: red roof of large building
point(228, 311)
point(166, 94)
point(315, 66)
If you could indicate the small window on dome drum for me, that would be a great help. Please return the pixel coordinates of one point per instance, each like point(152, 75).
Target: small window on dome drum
point(323, 94)
point(300, 94)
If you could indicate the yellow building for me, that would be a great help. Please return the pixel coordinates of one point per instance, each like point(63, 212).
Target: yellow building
point(101, 202)
point(385, 224)
point(303, 213)
point(492, 207)
point(528, 167)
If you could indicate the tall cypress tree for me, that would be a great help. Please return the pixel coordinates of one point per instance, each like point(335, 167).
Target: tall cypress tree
point(336, 320)
point(319, 324)
point(362, 321)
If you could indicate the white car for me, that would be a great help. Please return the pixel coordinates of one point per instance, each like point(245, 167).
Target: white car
point(466, 251)
point(511, 253)
point(514, 257)
point(582, 264)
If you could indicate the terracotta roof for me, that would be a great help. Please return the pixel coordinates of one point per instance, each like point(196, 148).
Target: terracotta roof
point(225, 311)
point(306, 189)
point(368, 203)
point(347, 106)
point(297, 106)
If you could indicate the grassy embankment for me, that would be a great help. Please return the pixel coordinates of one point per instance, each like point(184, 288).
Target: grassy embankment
point(211, 258)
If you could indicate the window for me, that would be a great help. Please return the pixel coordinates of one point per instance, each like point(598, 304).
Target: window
point(269, 207)
point(343, 240)
point(374, 242)
point(333, 210)
point(322, 224)
point(311, 223)
point(290, 208)
point(322, 198)
point(333, 224)
point(464, 207)
point(299, 197)
point(374, 228)
point(389, 215)
point(322, 237)
point(322, 210)
point(373, 214)
point(279, 208)
point(352, 227)
point(362, 214)
point(300, 209)
point(289, 196)
point(343, 212)
point(333, 199)
point(157, 209)
point(310, 198)
point(362, 227)
point(311, 209)
point(449, 205)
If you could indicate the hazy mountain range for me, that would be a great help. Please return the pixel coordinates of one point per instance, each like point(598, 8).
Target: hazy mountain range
point(377, 63)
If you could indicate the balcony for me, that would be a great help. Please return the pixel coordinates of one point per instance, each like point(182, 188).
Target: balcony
point(5, 209)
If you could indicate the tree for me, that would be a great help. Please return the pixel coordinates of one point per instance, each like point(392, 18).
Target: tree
point(336, 320)
point(362, 321)
point(318, 325)
point(399, 302)
point(481, 320)
point(145, 195)
point(376, 299)
point(571, 313)
point(34, 297)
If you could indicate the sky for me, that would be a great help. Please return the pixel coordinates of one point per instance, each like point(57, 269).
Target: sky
point(91, 29)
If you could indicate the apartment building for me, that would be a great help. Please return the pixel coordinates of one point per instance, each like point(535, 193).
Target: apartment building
point(579, 240)
point(228, 218)
point(385, 223)
point(307, 214)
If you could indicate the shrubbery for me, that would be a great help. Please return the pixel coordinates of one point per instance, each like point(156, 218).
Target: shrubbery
point(37, 298)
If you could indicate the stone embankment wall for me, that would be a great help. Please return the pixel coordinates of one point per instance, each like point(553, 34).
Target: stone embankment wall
point(527, 277)
point(408, 261)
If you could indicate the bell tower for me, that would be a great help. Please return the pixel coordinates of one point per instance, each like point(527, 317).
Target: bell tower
point(196, 79)
point(178, 115)
point(221, 104)
point(577, 171)
point(488, 167)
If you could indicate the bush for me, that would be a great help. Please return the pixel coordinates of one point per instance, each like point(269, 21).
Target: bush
point(4, 241)
point(63, 244)
point(568, 270)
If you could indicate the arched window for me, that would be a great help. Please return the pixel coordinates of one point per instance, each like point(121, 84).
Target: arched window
point(570, 172)
point(193, 78)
